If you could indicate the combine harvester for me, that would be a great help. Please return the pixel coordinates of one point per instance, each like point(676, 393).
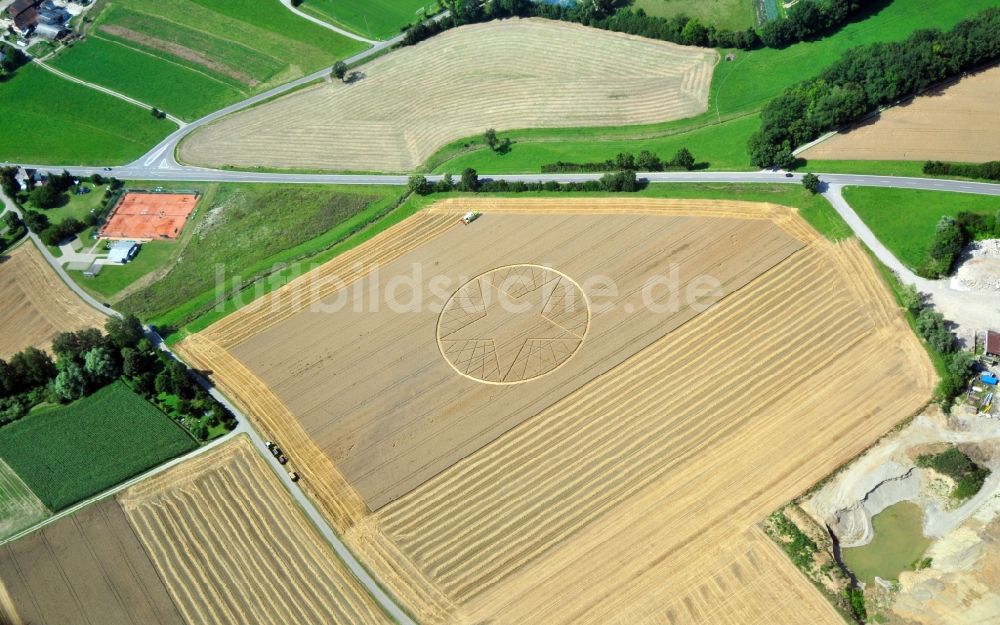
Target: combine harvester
point(470, 217)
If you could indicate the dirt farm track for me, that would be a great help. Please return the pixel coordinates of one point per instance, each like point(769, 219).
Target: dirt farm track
point(506, 74)
point(953, 123)
point(37, 305)
point(623, 485)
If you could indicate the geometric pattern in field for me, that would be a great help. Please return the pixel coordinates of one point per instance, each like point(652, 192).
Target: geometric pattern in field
point(148, 216)
point(631, 497)
point(37, 304)
point(509, 74)
point(393, 397)
point(232, 546)
point(513, 324)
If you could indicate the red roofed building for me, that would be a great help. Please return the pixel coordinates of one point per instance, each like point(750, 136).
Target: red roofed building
point(993, 344)
point(25, 15)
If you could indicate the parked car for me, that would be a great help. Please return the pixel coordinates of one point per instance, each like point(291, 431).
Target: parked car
point(292, 475)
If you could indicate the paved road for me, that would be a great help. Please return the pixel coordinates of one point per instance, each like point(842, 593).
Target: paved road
point(294, 9)
point(180, 122)
point(198, 174)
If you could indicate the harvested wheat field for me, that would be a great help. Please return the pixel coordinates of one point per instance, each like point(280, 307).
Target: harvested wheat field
point(957, 122)
point(506, 74)
point(233, 547)
point(597, 459)
point(88, 568)
point(38, 305)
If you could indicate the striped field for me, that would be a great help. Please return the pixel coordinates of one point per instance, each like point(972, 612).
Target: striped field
point(508, 74)
point(232, 546)
point(634, 497)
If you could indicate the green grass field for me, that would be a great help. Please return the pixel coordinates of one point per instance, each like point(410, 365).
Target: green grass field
point(47, 119)
point(731, 14)
point(19, 508)
point(68, 453)
point(899, 542)
point(904, 219)
point(374, 19)
point(739, 88)
point(250, 231)
point(191, 57)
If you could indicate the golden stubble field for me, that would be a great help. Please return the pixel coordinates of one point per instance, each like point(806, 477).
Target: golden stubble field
point(954, 123)
point(624, 485)
point(214, 540)
point(506, 74)
point(37, 305)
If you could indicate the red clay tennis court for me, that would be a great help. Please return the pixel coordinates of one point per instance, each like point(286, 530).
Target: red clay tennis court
point(148, 216)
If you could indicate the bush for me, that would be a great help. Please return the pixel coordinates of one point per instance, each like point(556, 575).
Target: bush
point(856, 600)
point(968, 476)
point(49, 195)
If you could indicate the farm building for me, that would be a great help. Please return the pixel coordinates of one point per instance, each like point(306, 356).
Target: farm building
point(122, 252)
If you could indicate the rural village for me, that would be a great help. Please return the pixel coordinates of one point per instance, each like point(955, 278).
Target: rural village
point(519, 312)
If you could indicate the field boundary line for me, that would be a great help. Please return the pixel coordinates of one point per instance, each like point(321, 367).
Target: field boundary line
point(180, 122)
point(315, 20)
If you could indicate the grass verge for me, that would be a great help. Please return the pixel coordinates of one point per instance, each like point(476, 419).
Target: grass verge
point(904, 220)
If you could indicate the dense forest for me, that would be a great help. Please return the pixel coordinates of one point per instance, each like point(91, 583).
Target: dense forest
point(867, 77)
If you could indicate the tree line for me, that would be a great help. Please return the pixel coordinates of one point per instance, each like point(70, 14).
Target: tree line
point(617, 182)
point(89, 359)
point(53, 193)
point(644, 161)
point(867, 77)
point(932, 327)
point(805, 20)
point(987, 171)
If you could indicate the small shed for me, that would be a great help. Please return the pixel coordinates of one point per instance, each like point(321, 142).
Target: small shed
point(122, 252)
point(93, 270)
point(993, 344)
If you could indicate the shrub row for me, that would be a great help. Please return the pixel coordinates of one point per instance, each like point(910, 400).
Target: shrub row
point(867, 77)
point(986, 171)
point(617, 182)
point(645, 161)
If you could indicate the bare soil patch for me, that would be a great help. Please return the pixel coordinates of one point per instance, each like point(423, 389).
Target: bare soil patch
point(504, 75)
point(955, 123)
point(37, 305)
point(630, 491)
point(180, 52)
point(85, 568)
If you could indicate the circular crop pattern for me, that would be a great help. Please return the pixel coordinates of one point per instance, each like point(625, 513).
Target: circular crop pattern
point(513, 324)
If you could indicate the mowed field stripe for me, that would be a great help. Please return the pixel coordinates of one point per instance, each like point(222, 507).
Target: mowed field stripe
point(228, 523)
point(506, 74)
